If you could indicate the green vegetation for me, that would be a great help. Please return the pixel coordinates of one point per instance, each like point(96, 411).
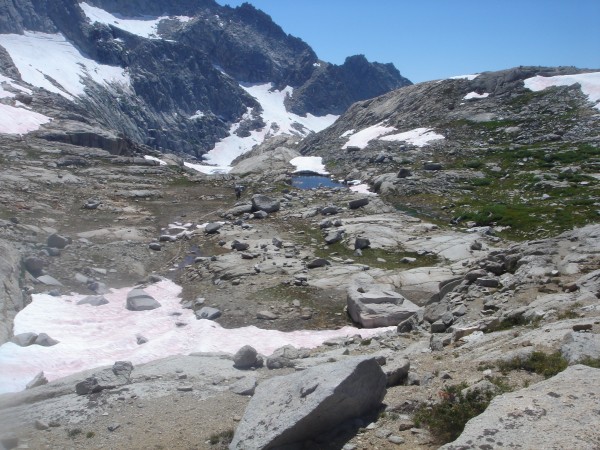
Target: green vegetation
point(592, 362)
point(90, 434)
point(511, 322)
point(223, 437)
point(447, 419)
point(541, 363)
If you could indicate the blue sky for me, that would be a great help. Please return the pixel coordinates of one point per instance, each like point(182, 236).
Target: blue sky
point(431, 39)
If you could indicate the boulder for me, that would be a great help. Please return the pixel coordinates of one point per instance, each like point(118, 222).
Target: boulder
point(264, 203)
point(34, 265)
point(284, 357)
point(294, 408)
point(361, 243)
point(555, 413)
point(212, 227)
point(317, 262)
point(93, 300)
point(358, 203)
point(118, 375)
point(432, 166)
point(239, 210)
point(578, 346)
point(404, 173)
point(208, 313)
point(44, 340)
point(49, 281)
point(239, 246)
point(140, 300)
point(246, 358)
point(24, 339)
point(334, 236)
point(11, 296)
point(330, 210)
point(155, 246)
point(396, 371)
point(244, 386)
point(39, 380)
point(58, 241)
point(379, 308)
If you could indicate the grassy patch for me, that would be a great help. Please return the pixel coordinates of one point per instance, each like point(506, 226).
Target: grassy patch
point(223, 437)
point(74, 432)
point(510, 322)
point(592, 362)
point(541, 363)
point(447, 419)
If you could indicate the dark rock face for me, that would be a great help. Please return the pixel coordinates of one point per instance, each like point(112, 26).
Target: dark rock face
point(174, 77)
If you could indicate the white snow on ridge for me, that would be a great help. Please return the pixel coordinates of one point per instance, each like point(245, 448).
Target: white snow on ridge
point(465, 77)
point(475, 95)
point(93, 336)
point(418, 137)
point(277, 119)
point(154, 158)
point(140, 26)
point(42, 58)
point(20, 120)
point(589, 82)
point(309, 164)
point(362, 138)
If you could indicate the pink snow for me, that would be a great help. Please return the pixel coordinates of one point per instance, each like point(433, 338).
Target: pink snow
point(94, 336)
point(589, 82)
point(20, 120)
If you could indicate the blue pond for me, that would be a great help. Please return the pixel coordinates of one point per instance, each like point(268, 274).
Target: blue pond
point(314, 181)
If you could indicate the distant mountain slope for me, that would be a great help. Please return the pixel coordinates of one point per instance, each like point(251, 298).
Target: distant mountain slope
point(175, 69)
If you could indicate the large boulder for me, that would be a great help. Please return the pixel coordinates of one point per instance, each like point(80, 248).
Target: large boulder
point(560, 412)
point(294, 408)
point(378, 307)
point(264, 203)
point(140, 300)
point(579, 346)
point(118, 375)
point(11, 297)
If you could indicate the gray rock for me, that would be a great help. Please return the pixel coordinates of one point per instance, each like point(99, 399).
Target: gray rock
point(294, 408)
point(139, 300)
point(260, 215)
point(396, 371)
point(40, 425)
point(361, 243)
point(487, 282)
point(284, 357)
point(208, 313)
point(317, 262)
point(404, 173)
point(578, 346)
point(264, 203)
point(473, 275)
point(334, 236)
point(155, 246)
point(540, 409)
point(24, 339)
point(39, 380)
point(358, 203)
point(9, 441)
point(44, 340)
point(239, 246)
point(118, 375)
point(93, 300)
point(379, 308)
point(240, 209)
point(266, 315)
point(330, 210)
point(167, 238)
point(432, 166)
point(244, 386)
point(34, 265)
point(438, 326)
point(212, 227)
point(326, 223)
point(58, 241)
point(246, 358)
point(49, 281)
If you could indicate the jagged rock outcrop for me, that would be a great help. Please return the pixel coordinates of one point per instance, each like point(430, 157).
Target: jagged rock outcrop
point(11, 297)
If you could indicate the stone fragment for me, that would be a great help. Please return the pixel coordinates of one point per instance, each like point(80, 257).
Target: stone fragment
point(264, 203)
point(24, 339)
point(246, 358)
point(140, 300)
point(212, 227)
point(58, 241)
point(244, 386)
point(317, 262)
point(379, 308)
point(358, 203)
point(39, 380)
point(361, 243)
point(93, 300)
point(44, 340)
point(208, 313)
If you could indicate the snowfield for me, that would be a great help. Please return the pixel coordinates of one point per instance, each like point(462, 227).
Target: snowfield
point(418, 137)
point(475, 95)
point(141, 26)
point(589, 82)
point(277, 121)
point(20, 120)
point(309, 164)
point(51, 62)
point(94, 336)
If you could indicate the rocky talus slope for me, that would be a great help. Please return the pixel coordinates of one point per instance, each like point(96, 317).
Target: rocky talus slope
point(467, 308)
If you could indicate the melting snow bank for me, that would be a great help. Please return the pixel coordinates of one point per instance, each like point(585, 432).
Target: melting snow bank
point(277, 121)
point(94, 336)
point(309, 164)
point(589, 82)
point(418, 137)
point(20, 120)
point(51, 62)
point(142, 26)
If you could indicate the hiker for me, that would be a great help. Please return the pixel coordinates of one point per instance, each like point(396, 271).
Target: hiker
point(238, 191)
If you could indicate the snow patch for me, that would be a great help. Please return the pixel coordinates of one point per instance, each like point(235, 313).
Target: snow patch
point(154, 158)
point(418, 137)
point(347, 133)
point(209, 170)
point(465, 77)
point(144, 26)
point(277, 119)
point(362, 138)
point(51, 62)
point(309, 164)
point(198, 115)
point(475, 95)
point(589, 82)
point(94, 336)
point(19, 120)
point(362, 189)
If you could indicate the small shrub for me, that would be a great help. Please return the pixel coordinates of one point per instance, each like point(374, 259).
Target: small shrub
point(223, 437)
point(541, 363)
point(447, 419)
point(511, 322)
point(90, 434)
point(74, 432)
